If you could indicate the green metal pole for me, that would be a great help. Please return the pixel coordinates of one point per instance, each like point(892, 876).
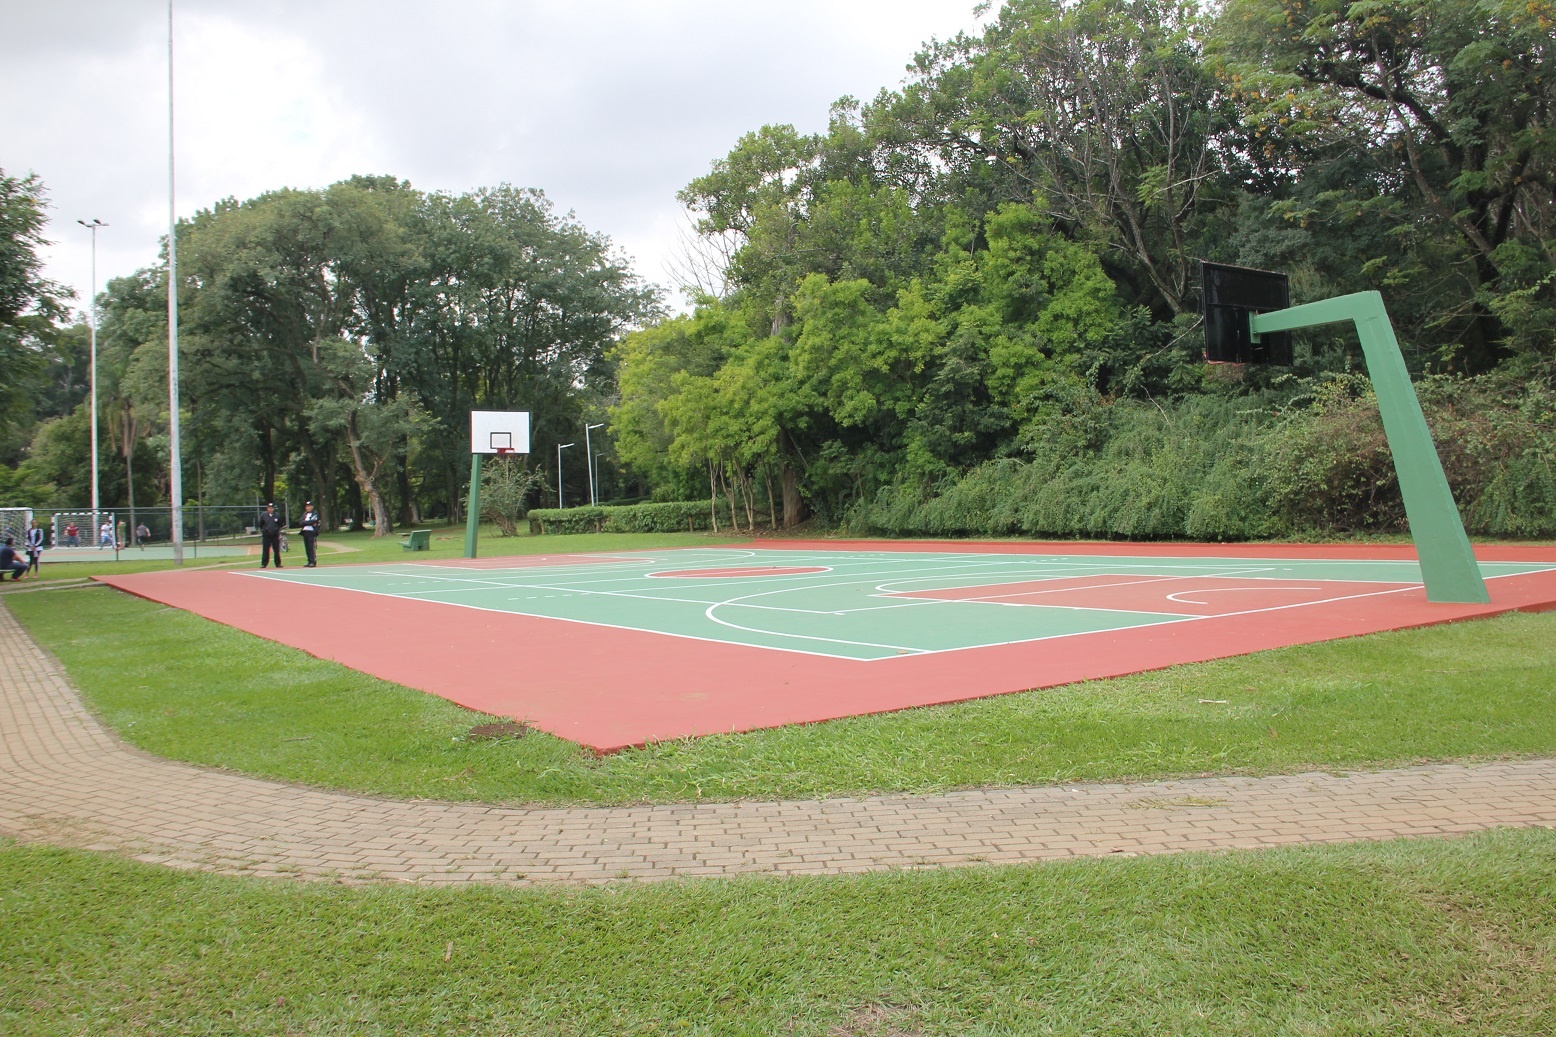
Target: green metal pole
point(1447, 561)
point(473, 519)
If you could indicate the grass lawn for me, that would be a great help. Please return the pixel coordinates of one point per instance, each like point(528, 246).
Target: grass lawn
point(1420, 938)
point(182, 687)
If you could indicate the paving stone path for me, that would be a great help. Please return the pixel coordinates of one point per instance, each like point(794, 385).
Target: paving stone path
point(66, 780)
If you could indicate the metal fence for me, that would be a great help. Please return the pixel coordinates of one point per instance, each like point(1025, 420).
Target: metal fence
point(154, 526)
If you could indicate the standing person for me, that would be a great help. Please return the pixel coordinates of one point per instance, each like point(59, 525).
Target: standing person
point(35, 549)
point(142, 534)
point(310, 530)
point(105, 534)
point(72, 535)
point(9, 563)
point(269, 536)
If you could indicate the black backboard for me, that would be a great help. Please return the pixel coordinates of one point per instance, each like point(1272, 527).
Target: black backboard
point(1228, 296)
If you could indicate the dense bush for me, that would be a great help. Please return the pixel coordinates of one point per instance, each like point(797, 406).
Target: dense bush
point(1224, 468)
point(663, 517)
point(506, 485)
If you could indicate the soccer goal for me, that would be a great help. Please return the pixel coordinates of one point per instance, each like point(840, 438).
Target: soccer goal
point(14, 523)
point(83, 529)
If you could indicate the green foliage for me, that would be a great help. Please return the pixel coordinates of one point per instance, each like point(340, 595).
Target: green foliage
point(1224, 467)
point(653, 517)
point(506, 487)
point(1111, 469)
point(1329, 467)
point(919, 290)
point(30, 304)
point(1451, 102)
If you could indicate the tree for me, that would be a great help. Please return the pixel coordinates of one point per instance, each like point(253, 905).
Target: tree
point(1099, 111)
point(1453, 105)
point(30, 304)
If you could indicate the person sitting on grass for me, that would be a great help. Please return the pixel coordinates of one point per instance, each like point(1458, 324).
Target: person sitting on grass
point(9, 563)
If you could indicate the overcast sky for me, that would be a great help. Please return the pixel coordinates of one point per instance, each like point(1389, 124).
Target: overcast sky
point(610, 106)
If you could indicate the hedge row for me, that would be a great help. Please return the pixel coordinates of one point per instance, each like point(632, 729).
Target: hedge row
point(662, 517)
point(1219, 468)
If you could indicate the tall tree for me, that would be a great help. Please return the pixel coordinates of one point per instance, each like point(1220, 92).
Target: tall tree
point(30, 304)
point(1452, 103)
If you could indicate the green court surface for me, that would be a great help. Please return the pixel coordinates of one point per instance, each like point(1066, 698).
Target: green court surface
point(872, 605)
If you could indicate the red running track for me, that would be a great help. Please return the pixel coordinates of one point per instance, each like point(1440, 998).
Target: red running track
point(610, 688)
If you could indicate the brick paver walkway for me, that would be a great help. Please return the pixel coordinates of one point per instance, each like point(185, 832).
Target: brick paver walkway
point(64, 779)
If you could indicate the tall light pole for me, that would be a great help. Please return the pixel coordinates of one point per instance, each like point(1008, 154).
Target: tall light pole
point(589, 459)
point(175, 455)
point(96, 223)
point(559, 448)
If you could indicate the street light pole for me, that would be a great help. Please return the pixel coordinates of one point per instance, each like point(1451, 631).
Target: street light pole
point(175, 454)
point(589, 459)
point(92, 312)
point(559, 448)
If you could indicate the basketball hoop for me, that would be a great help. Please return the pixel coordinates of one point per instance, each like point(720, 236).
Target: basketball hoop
point(504, 451)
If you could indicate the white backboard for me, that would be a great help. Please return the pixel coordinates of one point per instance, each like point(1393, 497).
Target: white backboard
point(491, 429)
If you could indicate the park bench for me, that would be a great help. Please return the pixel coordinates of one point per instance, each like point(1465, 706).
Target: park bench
point(416, 540)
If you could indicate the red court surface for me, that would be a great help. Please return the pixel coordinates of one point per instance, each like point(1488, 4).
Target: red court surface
point(609, 686)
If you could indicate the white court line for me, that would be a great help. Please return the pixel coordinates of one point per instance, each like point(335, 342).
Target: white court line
point(1239, 590)
point(1168, 618)
point(991, 598)
point(594, 622)
point(709, 613)
point(1320, 601)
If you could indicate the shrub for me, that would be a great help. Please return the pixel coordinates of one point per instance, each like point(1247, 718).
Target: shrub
point(661, 517)
point(1218, 468)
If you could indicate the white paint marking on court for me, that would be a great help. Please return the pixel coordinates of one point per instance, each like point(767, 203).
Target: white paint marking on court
point(597, 623)
point(994, 598)
point(808, 637)
point(891, 586)
point(1319, 601)
point(1237, 590)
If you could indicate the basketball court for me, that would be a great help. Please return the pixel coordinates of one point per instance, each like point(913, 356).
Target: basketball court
point(618, 649)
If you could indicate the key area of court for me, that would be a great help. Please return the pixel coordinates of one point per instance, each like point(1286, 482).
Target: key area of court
point(612, 650)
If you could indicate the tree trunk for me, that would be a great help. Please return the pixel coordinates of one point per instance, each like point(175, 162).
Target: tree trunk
point(729, 495)
point(408, 516)
point(772, 504)
point(267, 457)
point(323, 489)
point(793, 505)
point(354, 503)
point(382, 525)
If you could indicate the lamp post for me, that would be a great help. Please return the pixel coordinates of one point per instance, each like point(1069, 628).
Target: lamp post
point(175, 453)
point(589, 459)
point(92, 313)
point(559, 448)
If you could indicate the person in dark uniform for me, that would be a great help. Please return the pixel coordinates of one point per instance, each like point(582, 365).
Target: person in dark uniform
point(310, 529)
point(269, 536)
